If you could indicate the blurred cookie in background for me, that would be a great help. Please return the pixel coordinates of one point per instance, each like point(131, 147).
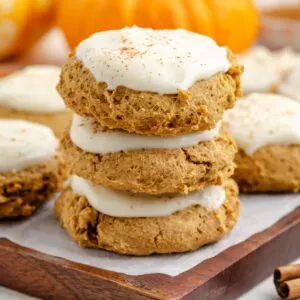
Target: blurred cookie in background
point(290, 85)
point(30, 94)
point(31, 168)
point(264, 69)
point(266, 130)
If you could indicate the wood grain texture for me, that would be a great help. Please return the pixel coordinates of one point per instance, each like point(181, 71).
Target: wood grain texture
point(225, 276)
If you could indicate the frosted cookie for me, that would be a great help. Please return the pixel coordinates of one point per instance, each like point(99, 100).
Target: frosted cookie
point(151, 82)
point(31, 169)
point(144, 227)
point(290, 86)
point(30, 94)
point(266, 128)
point(148, 164)
point(265, 69)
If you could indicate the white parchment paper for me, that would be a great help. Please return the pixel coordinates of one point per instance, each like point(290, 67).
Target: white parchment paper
point(43, 233)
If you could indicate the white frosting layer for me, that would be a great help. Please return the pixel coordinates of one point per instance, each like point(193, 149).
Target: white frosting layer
point(121, 204)
point(162, 61)
point(291, 85)
point(32, 89)
point(23, 144)
point(264, 69)
point(85, 135)
point(258, 120)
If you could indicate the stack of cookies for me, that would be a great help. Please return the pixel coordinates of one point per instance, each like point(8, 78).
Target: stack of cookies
point(150, 159)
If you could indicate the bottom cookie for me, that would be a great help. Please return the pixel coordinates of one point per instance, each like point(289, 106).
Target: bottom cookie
point(273, 169)
point(22, 192)
point(182, 231)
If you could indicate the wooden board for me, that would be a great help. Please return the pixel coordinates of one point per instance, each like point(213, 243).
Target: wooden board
point(225, 276)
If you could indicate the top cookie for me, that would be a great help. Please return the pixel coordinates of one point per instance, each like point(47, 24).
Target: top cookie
point(151, 82)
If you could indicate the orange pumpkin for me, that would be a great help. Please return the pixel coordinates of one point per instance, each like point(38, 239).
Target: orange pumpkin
point(22, 23)
point(229, 22)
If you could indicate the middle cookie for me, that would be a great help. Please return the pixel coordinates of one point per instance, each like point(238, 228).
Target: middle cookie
point(152, 165)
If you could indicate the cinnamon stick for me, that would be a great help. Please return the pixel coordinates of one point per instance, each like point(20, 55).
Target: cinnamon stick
point(289, 289)
point(285, 273)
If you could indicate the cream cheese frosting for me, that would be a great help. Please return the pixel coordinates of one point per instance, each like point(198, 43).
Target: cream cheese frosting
point(258, 120)
point(32, 89)
point(24, 144)
point(86, 134)
point(264, 69)
point(291, 84)
point(162, 61)
point(122, 204)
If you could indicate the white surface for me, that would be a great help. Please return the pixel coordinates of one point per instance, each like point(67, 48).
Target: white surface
point(121, 204)
point(42, 232)
point(7, 294)
point(258, 120)
point(162, 61)
point(32, 89)
point(23, 144)
point(264, 68)
point(263, 291)
point(87, 135)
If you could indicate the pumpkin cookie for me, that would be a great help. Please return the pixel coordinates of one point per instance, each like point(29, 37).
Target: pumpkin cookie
point(144, 169)
point(149, 157)
point(30, 94)
point(31, 170)
point(266, 129)
point(271, 66)
point(180, 227)
point(151, 82)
